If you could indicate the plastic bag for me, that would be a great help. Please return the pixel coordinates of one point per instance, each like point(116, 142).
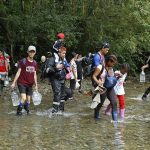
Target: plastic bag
point(96, 101)
point(15, 98)
point(77, 85)
point(36, 97)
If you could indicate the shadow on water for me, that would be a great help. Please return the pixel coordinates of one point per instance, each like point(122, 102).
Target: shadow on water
point(76, 129)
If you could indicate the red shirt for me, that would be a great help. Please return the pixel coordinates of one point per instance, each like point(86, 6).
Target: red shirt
point(27, 72)
point(2, 64)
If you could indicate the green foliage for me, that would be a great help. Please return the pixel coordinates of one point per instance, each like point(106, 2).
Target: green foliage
point(124, 24)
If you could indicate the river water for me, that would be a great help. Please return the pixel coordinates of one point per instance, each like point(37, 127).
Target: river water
point(76, 129)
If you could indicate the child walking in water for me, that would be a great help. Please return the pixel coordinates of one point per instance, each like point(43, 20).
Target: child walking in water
point(119, 90)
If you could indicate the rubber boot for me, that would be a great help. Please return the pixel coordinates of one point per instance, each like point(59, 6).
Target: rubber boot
point(144, 97)
point(19, 110)
point(55, 109)
point(108, 110)
point(61, 106)
point(114, 115)
point(96, 113)
point(122, 111)
point(26, 107)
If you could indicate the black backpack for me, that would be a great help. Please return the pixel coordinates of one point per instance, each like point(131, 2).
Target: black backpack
point(49, 64)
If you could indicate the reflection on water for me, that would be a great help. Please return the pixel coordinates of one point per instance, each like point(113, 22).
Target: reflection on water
point(118, 138)
point(76, 129)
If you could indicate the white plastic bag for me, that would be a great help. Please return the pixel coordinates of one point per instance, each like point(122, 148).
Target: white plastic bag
point(77, 85)
point(36, 97)
point(95, 101)
point(15, 98)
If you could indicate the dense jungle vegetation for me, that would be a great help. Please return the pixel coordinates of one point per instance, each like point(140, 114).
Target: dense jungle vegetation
point(125, 24)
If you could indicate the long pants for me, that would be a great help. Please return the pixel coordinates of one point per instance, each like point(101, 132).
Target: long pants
point(72, 84)
point(121, 101)
point(58, 87)
point(110, 94)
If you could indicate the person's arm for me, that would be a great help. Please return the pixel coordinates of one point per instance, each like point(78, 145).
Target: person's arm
point(16, 78)
point(57, 45)
point(80, 59)
point(95, 75)
point(145, 66)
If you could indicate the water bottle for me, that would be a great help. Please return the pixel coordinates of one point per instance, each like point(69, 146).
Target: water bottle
point(142, 76)
point(36, 97)
point(15, 98)
point(6, 81)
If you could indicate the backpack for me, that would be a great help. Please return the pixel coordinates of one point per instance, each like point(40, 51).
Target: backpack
point(49, 64)
point(92, 67)
point(24, 61)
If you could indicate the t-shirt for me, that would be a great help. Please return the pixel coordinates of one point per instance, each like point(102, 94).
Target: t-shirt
point(98, 59)
point(2, 64)
point(73, 65)
point(27, 72)
point(119, 88)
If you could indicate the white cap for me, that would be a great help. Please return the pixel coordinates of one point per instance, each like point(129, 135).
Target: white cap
point(31, 48)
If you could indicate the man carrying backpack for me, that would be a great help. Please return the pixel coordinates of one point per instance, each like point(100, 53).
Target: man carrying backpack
point(26, 77)
point(99, 57)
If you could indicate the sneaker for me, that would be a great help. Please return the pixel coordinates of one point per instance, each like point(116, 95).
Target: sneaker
point(144, 97)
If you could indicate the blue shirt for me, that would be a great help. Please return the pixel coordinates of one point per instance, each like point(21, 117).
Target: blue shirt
point(98, 59)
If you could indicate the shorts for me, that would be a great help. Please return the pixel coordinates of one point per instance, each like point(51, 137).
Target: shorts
point(25, 89)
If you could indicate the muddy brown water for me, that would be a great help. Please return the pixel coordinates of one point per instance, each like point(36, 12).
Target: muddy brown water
point(76, 129)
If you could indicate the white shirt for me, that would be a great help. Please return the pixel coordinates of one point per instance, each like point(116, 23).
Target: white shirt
point(119, 88)
point(73, 65)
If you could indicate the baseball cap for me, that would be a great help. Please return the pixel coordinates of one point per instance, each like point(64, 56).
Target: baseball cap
point(31, 48)
point(61, 35)
point(105, 45)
